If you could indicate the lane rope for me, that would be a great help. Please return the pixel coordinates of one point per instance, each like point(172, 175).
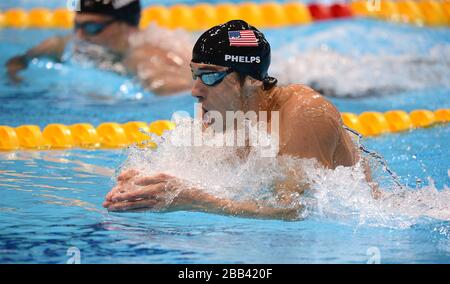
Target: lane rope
point(111, 135)
point(262, 15)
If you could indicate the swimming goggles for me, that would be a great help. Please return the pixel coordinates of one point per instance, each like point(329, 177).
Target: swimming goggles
point(93, 28)
point(211, 78)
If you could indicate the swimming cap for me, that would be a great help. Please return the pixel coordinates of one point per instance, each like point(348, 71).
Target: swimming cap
point(237, 45)
point(128, 11)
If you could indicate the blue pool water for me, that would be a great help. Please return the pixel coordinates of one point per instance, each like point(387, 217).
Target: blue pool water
point(51, 200)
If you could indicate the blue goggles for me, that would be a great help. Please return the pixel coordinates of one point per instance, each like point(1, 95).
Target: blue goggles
point(93, 28)
point(211, 78)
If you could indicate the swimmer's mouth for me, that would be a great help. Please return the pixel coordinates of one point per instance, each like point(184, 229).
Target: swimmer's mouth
point(206, 117)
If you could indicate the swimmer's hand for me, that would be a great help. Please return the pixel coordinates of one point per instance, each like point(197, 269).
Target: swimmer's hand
point(14, 66)
point(163, 192)
point(158, 192)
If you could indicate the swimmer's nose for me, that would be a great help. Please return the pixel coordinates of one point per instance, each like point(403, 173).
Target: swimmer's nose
point(79, 34)
point(199, 90)
point(82, 36)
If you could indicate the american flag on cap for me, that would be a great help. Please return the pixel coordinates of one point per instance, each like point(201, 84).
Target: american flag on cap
point(242, 38)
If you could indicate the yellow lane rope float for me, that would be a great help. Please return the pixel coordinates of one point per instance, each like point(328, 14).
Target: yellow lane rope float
point(107, 135)
point(373, 123)
point(422, 12)
point(112, 135)
point(263, 15)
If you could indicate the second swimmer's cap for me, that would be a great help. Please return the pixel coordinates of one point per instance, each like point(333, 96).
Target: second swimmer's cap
point(128, 11)
point(237, 45)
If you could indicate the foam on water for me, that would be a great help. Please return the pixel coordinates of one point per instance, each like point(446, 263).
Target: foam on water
point(391, 58)
point(342, 194)
point(343, 59)
point(90, 55)
point(82, 74)
point(341, 75)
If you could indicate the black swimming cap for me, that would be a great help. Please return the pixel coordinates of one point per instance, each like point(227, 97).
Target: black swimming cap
point(237, 45)
point(128, 11)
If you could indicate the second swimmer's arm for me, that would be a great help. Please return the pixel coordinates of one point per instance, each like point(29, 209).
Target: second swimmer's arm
point(160, 71)
point(52, 48)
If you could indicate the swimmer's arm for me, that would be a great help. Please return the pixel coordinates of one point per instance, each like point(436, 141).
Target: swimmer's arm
point(348, 154)
point(166, 84)
point(52, 48)
point(160, 71)
point(156, 192)
point(196, 200)
point(205, 202)
point(164, 80)
point(376, 192)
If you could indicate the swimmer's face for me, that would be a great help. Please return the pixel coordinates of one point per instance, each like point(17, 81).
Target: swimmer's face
point(102, 30)
point(223, 97)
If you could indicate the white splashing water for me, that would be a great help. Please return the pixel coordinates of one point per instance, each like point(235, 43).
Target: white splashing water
point(341, 194)
point(345, 75)
point(90, 55)
point(355, 59)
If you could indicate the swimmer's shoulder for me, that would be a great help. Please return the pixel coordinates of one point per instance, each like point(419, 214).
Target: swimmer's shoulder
point(299, 89)
point(303, 96)
point(305, 101)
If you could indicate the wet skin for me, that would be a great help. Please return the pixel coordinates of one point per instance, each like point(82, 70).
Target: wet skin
point(166, 72)
point(310, 127)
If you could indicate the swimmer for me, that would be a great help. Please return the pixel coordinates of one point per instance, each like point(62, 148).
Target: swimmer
point(232, 75)
point(111, 24)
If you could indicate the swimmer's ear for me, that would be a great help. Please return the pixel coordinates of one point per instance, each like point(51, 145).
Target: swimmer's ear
point(251, 86)
point(252, 83)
